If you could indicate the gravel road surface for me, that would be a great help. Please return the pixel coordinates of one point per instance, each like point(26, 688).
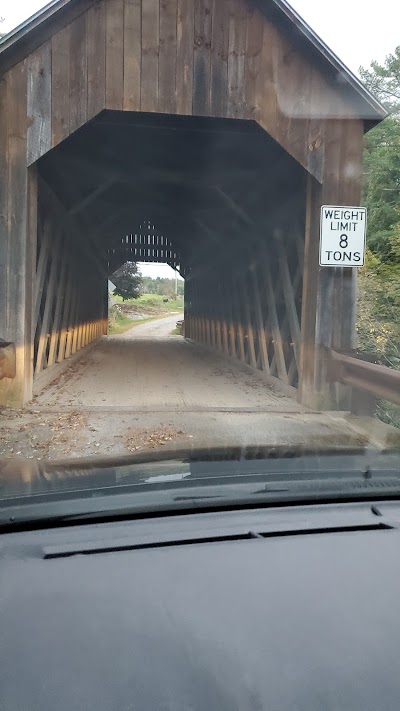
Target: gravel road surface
point(147, 368)
point(148, 389)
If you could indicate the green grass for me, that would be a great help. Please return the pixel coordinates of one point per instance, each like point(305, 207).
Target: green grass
point(176, 332)
point(120, 325)
point(153, 301)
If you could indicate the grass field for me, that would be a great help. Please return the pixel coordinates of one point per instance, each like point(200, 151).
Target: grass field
point(153, 301)
point(122, 323)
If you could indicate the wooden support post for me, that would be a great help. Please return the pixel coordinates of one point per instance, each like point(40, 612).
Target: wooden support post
point(238, 320)
point(53, 280)
point(65, 345)
point(317, 296)
point(225, 318)
point(18, 232)
point(274, 323)
point(262, 341)
point(251, 353)
point(55, 329)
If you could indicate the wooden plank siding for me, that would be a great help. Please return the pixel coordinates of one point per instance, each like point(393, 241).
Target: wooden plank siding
point(150, 55)
point(167, 57)
point(39, 103)
point(114, 54)
point(191, 57)
point(184, 56)
point(132, 54)
point(78, 88)
point(96, 59)
point(60, 102)
point(17, 233)
point(212, 58)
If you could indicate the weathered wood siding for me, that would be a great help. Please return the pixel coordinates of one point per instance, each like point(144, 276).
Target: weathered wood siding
point(17, 231)
point(219, 58)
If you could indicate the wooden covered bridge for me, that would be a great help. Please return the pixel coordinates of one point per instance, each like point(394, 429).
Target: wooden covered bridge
point(201, 133)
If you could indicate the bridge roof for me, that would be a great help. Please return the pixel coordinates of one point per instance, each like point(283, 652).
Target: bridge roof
point(39, 27)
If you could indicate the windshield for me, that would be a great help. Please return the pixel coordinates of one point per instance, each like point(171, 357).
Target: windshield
point(199, 251)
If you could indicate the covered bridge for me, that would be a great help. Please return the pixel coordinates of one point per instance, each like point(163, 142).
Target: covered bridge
point(201, 133)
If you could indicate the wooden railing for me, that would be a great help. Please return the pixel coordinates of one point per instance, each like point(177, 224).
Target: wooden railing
point(366, 378)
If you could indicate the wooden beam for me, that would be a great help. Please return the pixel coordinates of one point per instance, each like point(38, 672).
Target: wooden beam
point(184, 57)
point(48, 306)
point(96, 59)
point(150, 52)
point(262, 341)
point(309, 303)
point(60, 103)
point(202, 57)
point(91, 196)
point(114, 54)
point(4, 198)
point(167, 57)
point(78, 88)
point(274, 322)
point(132, 54)
point(289, 295)
point(248, 326)
point(39, 103)
point(44, 256)
point(58, 302)
point(19, 297)
point(66, 311)
point(219, 60)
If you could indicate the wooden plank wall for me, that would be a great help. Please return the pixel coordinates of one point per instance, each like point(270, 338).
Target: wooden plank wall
point(209, 57)
point(329, 295)
point(17, 229)
point(69, 312)
point(252, 312)
point(192, 57)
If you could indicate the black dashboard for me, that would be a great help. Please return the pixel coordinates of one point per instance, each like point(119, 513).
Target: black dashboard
point(288, 608)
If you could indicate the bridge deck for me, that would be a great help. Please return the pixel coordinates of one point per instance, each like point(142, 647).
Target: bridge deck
point(147, 388)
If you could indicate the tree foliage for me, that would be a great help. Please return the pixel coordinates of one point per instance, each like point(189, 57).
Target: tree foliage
point(382, 187)
point(378, 324)
point(127, 280)
point(162, 286)
point(383, 80)
point(382, 159)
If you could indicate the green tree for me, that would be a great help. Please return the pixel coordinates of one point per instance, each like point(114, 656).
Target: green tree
point(382, 185)
point(127, 280)
point(382, 159)
point(383, 80)
point(378, 323)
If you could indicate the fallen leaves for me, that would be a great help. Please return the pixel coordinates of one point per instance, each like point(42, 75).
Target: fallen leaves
point(138, 438)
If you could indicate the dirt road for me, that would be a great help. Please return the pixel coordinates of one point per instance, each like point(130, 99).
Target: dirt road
point(148, 389)
point(148, 369)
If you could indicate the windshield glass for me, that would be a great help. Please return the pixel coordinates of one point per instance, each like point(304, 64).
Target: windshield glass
point(199, 249)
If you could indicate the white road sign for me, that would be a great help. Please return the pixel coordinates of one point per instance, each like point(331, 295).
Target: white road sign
point(342, 236)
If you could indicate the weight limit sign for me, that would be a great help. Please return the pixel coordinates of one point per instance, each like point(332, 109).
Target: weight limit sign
point(342, 236)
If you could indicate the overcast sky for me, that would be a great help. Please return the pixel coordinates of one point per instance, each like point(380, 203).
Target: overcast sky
point(358, 31)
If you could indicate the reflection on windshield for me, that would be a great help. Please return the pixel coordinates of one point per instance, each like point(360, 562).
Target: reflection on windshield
point(199, 246)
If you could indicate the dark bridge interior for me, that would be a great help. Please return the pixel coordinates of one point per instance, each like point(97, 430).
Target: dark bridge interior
point(219, 199)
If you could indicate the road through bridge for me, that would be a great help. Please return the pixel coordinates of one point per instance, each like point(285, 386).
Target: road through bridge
point(149, 389)
point(204, 134)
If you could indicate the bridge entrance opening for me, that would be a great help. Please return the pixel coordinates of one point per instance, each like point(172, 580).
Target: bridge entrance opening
point(218, 200)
